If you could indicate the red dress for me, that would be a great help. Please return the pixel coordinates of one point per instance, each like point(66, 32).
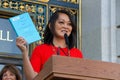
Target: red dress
point(43, 52)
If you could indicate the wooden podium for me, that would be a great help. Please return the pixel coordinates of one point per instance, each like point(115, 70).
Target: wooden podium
point(68, 68)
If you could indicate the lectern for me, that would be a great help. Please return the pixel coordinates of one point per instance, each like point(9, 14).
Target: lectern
point(69, 68)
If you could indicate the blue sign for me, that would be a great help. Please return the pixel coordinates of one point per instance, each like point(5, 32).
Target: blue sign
point(7, 38)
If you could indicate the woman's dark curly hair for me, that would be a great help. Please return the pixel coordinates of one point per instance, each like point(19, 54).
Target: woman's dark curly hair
point(11, 68)
point(49, 31)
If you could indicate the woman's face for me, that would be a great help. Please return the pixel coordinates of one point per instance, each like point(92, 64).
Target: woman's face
point(8, 76)
point(62, 25)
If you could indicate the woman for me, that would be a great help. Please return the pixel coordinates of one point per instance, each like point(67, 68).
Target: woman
point(10, 72)
point(59, 24)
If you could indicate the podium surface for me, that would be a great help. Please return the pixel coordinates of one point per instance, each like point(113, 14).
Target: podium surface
point(69, 68)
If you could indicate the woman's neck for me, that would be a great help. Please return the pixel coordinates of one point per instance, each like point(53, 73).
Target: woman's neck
point(59, 42)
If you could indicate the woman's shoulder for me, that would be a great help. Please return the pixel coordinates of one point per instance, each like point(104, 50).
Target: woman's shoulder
point(75, 49)
point(76, 52)
point(43, 46)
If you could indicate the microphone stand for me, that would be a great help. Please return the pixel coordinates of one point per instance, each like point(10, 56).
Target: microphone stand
point(67, 43)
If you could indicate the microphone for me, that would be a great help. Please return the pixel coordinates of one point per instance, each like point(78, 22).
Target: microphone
point(66, 40)
point(58, 51)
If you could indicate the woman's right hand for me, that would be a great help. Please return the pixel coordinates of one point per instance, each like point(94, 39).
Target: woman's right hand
point(22, 44)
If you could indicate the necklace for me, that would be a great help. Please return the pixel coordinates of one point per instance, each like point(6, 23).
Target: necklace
point(57, 50)
point(68, 52)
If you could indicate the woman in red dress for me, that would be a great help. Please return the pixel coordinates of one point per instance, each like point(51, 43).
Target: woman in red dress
point(60, 23)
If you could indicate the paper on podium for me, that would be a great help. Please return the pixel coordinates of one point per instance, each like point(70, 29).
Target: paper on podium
point(24, 27)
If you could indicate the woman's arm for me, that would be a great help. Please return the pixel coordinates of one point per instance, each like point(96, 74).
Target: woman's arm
point(27, 67)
